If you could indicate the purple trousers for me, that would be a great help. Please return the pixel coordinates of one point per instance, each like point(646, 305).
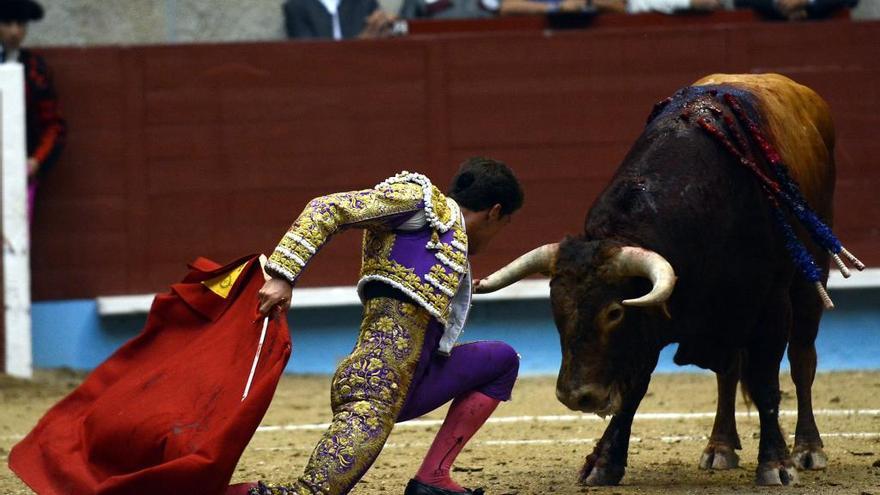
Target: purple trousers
point(395, 355)
point(489, 367)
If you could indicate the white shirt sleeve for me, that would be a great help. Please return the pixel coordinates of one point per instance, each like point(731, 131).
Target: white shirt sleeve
point(415, 222)
point(491, 5)
point(664, 6)
point(461, 307)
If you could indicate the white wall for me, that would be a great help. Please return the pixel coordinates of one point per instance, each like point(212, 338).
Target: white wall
point(16, 283)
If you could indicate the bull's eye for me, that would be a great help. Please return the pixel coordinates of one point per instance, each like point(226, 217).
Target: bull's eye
point(611, 316)
point(614, 315)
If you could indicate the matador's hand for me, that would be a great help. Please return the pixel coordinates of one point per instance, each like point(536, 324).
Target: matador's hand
point(275, 297)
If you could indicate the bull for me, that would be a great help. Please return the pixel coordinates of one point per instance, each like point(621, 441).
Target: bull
point(712, 234)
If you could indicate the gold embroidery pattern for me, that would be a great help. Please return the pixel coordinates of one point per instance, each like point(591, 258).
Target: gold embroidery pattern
point(459, 239)
point(369, 389)
point(378, 265)
point(399, 194)
point(377, 245)
point(437, 210)
point(326, 215)
point(443, 280)
point(405, 279)
point(452, 258)
point(441, 208)
point(434, 292)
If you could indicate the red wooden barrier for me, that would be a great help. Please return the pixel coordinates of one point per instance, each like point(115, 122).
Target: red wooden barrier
point(179, 151)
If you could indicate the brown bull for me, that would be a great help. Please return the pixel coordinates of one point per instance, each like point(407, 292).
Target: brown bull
point(692, 242)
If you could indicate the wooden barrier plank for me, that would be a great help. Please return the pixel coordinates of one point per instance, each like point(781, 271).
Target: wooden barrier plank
point(179, 151)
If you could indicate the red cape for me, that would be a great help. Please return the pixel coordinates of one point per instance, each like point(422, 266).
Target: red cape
point(164, 414)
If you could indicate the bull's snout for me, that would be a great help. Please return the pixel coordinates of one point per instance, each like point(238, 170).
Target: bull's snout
point(585, 398)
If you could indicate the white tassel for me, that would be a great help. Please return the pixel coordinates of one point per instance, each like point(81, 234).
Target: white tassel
point(840, 266)
point(826, 300)
point(855, 261)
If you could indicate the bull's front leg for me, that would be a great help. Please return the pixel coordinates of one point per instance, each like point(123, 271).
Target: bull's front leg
point(775, 466)
point(606, 465)
point(720, 453)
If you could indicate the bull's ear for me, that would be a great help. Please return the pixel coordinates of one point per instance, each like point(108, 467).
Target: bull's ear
point(664, 308)
point(661, 310)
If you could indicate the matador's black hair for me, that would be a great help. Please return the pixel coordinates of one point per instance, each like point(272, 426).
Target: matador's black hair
point(481, 183)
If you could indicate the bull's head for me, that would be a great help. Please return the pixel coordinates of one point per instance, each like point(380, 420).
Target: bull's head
point(607, 300)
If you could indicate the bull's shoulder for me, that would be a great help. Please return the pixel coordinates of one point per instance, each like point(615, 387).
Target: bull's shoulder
point(799, 125)
point(780, 95)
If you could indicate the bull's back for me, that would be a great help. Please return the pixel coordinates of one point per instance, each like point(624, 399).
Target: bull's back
point(798, 124)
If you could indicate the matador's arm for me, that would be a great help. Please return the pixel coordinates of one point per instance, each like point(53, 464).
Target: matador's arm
point(327, 215)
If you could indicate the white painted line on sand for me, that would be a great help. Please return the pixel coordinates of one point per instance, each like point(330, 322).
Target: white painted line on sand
point(501, 443)
point(691, 438)
point(422, 423)
point(571, 441)
point(425, 423)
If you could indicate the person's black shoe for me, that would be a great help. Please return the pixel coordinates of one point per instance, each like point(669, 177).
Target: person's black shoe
point(416, 487)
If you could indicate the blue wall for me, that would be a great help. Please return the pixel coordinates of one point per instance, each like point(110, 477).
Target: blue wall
point(71, 334)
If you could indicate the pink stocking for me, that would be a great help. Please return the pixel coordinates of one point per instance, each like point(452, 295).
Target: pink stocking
point(466, 415)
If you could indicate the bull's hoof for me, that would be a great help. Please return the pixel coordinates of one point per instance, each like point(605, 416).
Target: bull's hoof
point(775, 473)
point(719, 456)
point(598, 473)
point(807, 457)
point(603, 476)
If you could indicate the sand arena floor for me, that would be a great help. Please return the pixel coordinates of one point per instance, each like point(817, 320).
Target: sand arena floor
point(527, 454)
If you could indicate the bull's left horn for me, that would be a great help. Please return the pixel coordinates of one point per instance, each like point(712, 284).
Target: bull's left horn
point(535, 261)
point(639, 262)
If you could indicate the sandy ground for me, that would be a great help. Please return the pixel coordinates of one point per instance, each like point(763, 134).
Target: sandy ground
point(524, 456)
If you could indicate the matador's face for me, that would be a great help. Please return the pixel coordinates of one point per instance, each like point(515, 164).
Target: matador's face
point(12, 34)
point(483, 226)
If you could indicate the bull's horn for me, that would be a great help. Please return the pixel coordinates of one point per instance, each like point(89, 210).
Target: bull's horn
point(635, 261)
point(535, 261)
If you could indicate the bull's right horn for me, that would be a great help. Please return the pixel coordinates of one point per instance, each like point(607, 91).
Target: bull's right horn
point(639, 262)
point(535, 261)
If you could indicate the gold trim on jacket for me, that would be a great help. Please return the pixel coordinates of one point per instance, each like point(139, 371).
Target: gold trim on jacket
point(431, 282)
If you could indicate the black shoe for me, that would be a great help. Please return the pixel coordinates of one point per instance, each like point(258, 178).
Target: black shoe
point(415, 487)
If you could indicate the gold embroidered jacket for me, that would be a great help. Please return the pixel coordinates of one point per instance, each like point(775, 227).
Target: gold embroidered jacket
point(426, 264)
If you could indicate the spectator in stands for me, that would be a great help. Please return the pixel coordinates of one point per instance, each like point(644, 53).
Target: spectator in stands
point(509, 7)
point(674, 6)
point(336, 19)
point(794, 10)
point(46, 128)
point(449, 9)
